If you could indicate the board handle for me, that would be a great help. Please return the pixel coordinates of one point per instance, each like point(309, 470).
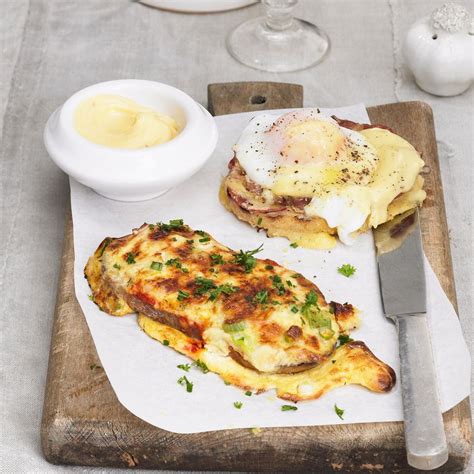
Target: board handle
point(235, 97)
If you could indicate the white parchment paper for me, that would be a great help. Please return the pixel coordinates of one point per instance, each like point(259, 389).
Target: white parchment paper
point(143, 372)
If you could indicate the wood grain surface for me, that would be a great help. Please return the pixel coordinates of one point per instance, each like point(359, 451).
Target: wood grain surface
point(84, 424)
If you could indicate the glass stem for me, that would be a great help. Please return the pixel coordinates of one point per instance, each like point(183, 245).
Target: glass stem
point(279, 14)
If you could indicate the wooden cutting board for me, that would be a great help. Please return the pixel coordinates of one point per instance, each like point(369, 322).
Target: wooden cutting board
point(83, 422)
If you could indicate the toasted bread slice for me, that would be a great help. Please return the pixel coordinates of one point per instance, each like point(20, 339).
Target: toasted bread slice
point(210, 301)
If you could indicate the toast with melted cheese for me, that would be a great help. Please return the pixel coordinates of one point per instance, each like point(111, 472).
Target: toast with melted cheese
point(254, 322)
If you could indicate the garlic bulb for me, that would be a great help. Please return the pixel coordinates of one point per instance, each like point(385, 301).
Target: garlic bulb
point(439, 50)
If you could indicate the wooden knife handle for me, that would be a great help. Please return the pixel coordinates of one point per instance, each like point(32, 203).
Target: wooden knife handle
point(425, 438)
point(236, 97)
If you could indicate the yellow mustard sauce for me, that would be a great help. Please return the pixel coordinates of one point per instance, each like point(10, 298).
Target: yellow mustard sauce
point(118, 122)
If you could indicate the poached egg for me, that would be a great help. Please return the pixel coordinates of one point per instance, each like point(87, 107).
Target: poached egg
point(351, 177)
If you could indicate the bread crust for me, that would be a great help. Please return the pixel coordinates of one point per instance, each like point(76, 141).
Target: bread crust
point(288, 223)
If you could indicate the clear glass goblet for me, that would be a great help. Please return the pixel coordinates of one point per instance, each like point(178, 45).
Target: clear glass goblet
point(278, 42)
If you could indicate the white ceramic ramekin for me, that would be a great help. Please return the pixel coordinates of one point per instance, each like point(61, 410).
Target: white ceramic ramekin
point(138, 174)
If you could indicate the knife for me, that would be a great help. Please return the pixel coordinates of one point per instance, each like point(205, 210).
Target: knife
point(403, 288)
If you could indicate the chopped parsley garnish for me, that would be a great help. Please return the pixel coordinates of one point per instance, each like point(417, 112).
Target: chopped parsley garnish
point(201, 365)
point(217, 259)
point(295, 275)
point(269, 267)
point(176, 223)
point(131, 258)
point(344, 339)
point(151, 226)
point(238, 405)
point(294, 245)
point(182, 295)
point(205, 239)
point(294, 309)
point(174, 262)
point(156, 266)
point(247, 259)
point(259, 221)
point(261, 297)
point(117, 266)
point(278, 284)
point(248, 393)
point(91, 297)
point(202, 233)
point(173, 224)
point(184, 367)
point(166, 342)
point(227, 289)
point(288, 408)
point(339, 411)
point(203, 285)
point(190, 241)
point(226, 383)
point(347, 270)
point(184, 381)
point(311, 301)
point(289, 283)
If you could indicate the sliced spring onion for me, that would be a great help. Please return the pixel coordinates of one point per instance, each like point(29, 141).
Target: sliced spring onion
point(234, 327)
point(326, 333)
point(156, 266)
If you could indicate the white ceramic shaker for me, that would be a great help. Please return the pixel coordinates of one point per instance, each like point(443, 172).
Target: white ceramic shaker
point(439, 50)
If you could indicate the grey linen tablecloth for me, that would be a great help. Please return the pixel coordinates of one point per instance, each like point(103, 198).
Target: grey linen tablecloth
point(50, 49)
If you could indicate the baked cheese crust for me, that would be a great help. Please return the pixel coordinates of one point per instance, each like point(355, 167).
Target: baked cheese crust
point(351, 363)
point(252, 321)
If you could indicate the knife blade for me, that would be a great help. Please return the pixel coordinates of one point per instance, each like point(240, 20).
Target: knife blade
point(403, 290)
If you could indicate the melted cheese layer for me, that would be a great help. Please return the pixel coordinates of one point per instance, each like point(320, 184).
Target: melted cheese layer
point(274, 330)
point(352, 363)
point(348, 207)
point(261, 314)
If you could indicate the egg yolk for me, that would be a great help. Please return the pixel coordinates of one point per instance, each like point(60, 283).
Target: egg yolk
point(312, 141)
point(317, 156)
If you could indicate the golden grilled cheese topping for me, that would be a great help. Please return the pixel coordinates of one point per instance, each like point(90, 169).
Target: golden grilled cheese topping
point(245, 317)
point(118, 122)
